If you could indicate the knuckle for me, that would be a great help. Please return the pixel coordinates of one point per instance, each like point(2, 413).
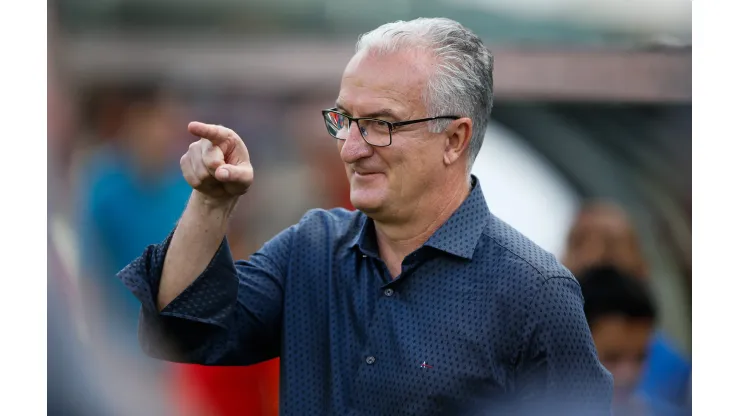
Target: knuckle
point(201, 175)
point(230, 135)
point(191, 179)
point(210, 162)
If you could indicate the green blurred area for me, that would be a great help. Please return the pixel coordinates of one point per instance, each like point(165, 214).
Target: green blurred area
point(316, 18)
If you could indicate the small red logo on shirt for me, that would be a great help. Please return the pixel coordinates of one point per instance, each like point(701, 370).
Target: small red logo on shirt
point(425, 365)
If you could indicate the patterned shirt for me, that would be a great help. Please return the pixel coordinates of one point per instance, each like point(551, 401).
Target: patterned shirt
point(480, 320)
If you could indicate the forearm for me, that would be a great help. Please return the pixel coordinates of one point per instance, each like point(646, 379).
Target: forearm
point(198, 235)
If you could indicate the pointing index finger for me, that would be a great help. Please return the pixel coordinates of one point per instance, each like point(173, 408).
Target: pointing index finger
point(211, 132)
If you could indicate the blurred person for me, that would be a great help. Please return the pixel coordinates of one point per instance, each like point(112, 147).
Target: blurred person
point(603, 234)
point(420, 301)
point(622, 317)
point(131, 192)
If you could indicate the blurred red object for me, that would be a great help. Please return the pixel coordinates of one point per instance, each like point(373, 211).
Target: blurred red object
point(227, 391)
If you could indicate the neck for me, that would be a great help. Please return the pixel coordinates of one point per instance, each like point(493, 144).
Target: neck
point(399, 239)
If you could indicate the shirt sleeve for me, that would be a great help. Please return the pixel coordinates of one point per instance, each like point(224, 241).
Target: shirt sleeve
point(558, 368)
point(230, 315)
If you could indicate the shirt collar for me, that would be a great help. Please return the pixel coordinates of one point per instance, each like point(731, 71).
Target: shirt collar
point(458, 236)
point(365, 240)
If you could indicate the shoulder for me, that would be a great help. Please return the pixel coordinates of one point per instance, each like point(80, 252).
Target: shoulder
point(339, 218)
point(512, 256)
point(336, 216)
point(318, 235)
point(337, 225)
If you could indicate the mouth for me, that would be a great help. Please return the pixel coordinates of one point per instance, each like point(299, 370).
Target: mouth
point(365, 177)
point(364, 174)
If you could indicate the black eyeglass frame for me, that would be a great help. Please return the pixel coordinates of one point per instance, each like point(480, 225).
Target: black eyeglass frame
point(391, 125)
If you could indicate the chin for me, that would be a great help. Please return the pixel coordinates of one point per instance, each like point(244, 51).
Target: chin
point(366, 201)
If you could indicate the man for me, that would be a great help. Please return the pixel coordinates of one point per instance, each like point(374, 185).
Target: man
point(419, 302)
point(622, 318)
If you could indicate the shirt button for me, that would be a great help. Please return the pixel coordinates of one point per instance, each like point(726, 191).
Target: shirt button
point(370, 360)
point(388, 292)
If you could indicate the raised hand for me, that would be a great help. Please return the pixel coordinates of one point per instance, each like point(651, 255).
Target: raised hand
point(218, 164)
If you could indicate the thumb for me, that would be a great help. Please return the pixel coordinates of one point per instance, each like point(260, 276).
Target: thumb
point(236, 178)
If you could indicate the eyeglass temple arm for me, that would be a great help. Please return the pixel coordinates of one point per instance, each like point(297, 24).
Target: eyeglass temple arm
point(405, 123)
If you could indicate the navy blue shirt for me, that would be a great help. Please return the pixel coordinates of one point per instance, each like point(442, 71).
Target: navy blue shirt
point(479, 320)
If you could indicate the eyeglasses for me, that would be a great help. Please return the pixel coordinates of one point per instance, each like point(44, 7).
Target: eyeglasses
point(375, 132)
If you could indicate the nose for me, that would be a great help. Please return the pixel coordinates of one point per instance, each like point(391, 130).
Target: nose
point(354, 147)
point(626, 374)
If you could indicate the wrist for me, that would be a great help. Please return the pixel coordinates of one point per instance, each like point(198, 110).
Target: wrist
point(218, 207)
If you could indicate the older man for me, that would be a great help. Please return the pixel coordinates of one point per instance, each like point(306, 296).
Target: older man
point(419, 302)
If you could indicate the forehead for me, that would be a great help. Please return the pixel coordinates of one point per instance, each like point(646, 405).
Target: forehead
point(602, 223)
point(395, 81)
point(613, 332)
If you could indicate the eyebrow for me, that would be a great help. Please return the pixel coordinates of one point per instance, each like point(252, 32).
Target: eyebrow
point(385, 112)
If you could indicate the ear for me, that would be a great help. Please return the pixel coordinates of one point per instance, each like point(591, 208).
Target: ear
point(458, 135)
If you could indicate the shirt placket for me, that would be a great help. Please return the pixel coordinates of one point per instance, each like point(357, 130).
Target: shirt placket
point(373, 353)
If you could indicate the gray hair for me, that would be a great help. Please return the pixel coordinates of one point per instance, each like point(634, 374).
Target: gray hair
point(463, 81)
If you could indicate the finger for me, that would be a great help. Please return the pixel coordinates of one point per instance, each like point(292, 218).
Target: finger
point(212, 156)
point(214, 133)
point(194, 157)
point(188, 172)
point(199, 167)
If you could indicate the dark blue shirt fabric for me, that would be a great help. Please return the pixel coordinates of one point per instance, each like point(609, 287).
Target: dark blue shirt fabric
point(480, 321)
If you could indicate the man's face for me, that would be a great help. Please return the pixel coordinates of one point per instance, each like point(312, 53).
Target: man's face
point(622, 345)
point(389, 182)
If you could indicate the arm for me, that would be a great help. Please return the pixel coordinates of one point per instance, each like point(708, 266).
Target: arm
point(189, 295)
point(218, 168)
point(558, 368)
point(198, 235)
point(230, 315)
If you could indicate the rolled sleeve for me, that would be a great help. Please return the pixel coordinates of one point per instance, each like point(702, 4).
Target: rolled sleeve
point(560, 369)
point(212, 297)
point(230, 315)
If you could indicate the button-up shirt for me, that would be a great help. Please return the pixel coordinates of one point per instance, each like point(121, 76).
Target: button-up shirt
point(480, 319)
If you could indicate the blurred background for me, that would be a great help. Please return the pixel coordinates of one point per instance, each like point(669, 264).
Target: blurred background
point(588, 153)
